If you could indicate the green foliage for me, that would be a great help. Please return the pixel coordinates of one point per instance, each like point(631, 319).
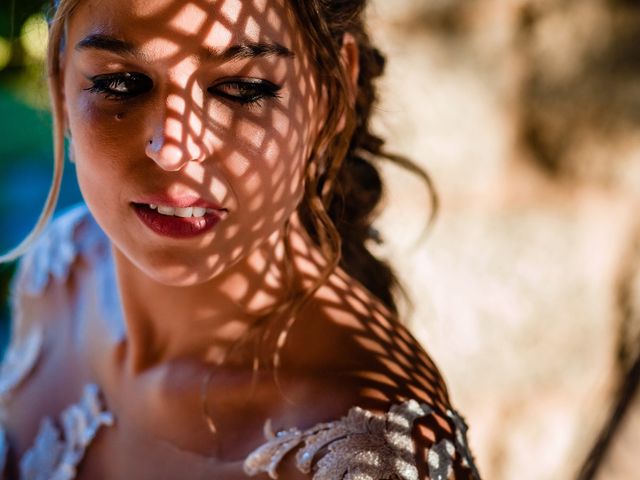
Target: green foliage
point(13, 14)
point(26, 131)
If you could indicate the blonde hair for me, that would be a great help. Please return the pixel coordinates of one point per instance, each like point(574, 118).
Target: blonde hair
point(342, 186)
point(56, 34)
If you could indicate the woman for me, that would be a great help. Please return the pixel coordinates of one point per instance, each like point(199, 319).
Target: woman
point(200, 300)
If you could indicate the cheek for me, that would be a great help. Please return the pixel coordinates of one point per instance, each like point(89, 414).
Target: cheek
point(268, 188)
point(99, 126)
point(95, 132)
point(102, 151)
point(266, 152)
point(106, 145)
point(97, 160)
point(296, 125)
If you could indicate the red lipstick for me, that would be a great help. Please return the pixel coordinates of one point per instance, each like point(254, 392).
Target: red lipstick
point(207, 215)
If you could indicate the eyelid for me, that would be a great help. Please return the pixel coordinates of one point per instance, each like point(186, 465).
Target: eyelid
point(262, 88)
point(118, 75)
point(102, 84)
point(248, 81)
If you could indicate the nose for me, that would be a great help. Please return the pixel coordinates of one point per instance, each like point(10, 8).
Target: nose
point(176, 134)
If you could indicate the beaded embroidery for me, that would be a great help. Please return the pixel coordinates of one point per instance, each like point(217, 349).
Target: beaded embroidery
point(360, 446)
point(461, 443)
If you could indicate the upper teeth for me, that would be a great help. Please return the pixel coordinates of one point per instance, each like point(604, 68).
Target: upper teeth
point(180, 212)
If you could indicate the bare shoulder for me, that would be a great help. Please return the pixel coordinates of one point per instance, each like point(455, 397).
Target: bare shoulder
point(367, 369)
point(347, 333)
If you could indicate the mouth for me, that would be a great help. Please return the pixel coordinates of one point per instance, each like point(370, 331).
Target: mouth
point(182, 212)
point(178, 222)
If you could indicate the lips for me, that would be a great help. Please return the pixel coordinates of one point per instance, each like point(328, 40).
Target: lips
point(182, 201)
point(180, 212)
point(169, 224)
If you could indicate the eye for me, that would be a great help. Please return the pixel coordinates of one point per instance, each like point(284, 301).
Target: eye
point(120, 86)
point(247, 91)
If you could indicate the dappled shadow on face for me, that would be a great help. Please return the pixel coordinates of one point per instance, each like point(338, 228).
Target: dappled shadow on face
point(214, 100)
point(223, 108)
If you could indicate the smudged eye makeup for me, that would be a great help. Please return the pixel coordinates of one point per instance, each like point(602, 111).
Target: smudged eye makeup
point(120, 86)
point(243, 91)
point(247, 91)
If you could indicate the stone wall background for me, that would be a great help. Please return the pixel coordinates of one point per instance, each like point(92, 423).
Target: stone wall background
point(526, 115)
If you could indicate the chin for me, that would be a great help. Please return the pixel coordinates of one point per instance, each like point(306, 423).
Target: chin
point(168, 269)
point(174, 280)
point(179, 275)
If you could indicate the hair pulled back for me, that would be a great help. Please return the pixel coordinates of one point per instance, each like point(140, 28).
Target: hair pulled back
point(343, 187)
point(342, 197)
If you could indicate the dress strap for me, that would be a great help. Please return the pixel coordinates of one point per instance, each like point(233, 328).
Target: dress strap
point(73, 234)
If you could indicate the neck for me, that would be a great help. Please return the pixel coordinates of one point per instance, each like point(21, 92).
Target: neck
point(201, 321)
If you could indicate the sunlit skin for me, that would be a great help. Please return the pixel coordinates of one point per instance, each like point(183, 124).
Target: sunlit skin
point(218, 100)
point(183, 134)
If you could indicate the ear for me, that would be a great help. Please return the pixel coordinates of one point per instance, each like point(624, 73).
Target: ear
point(350, 58)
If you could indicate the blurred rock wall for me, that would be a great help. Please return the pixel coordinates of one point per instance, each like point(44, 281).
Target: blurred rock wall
point(526, 115)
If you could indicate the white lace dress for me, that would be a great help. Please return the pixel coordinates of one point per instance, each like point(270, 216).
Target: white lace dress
point(359, 446)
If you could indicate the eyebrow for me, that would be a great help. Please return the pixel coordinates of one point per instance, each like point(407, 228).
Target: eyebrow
point(254, 50)
point(105, 42)
point(239, 51)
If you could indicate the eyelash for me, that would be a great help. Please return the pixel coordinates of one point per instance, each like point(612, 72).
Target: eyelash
point(107, 85)
point(251, 92)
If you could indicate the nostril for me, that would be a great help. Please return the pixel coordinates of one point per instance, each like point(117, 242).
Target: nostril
point(171, 157)
point(170, 154)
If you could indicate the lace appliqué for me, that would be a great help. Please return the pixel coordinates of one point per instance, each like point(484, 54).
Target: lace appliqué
point(360, 446)
point(54, 252)
point(441, 455)
point(53, 458)
point(51, 256)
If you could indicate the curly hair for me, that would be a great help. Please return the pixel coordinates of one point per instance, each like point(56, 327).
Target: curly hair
point(340, 203)
point(343, 187)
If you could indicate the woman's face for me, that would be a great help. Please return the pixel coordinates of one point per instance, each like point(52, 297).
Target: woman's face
point(191, 122)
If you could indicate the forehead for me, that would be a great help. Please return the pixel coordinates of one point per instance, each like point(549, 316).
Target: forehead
point(169, 26)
